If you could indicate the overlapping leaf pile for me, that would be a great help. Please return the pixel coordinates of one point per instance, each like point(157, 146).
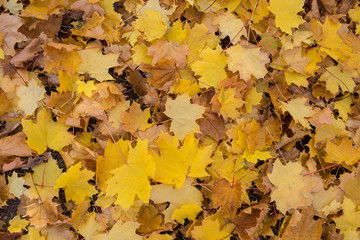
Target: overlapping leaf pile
point(167, 119)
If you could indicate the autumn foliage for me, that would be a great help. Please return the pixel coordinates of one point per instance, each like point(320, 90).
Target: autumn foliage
point(196, 119)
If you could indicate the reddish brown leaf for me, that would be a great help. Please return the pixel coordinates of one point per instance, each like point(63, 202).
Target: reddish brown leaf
point(213, 125)
point(162, 75)
point(227, 196)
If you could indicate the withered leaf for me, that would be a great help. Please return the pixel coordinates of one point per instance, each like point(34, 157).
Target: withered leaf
point(213, 125)
point(302, 226)
point(138, 82)
point(248, 221)
point(162, 75)
point(227, 196)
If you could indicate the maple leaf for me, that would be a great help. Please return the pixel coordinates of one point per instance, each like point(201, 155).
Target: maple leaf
point(136, 119)
point(43, 213)
point(290, 182)
point(45, 133)
point(75, 183)
point(44, 175)
point(174, 163)
point(59, 56)
point(151, 24)
point(210, 67)
point(303, 226)
point(185, 202)
point(286, 14)
point(227, 196)
point(229, 104)
point(211, 229)
point(229, 25)
point(14, 145)
point(345, 152)
point(30, 96)
point(169, 50)
point(181, 123)
point(213, 126)
point(163, 74)
point(349, 221)
point(120, 231)
point(132, 178)
point(86, 87)
point(9, 25)
point(299, 110)
point(17, 224)
point(96, 64)
point(336, 77)
point(248, 61)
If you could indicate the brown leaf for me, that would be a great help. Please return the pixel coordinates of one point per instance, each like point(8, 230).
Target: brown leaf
point(163, 74)
point(28, 53)
point(213, 125)
point(9, 236)
point(302, 226)
point(34, 27)
point(138, 82)
point(150, 219)
point(249, 220)
point(227, 196)
point(14, 145)
point(4, 191)
point(169, 50)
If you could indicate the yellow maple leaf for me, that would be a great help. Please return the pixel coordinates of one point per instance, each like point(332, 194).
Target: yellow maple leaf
point(248, 61)
point(59, 56)
point(336, 77)
point(120, 229)
point(210, 67)
point(114, 157)
point(349, 222)
point(286, 14)
point(32, 234)
point(212, 229)
point(256, 155)
point(16, 185)
point(183, 115)
point(30, 96)
point(299, 111)
point(229, 104)
point(86, 87)
point(46, 133)
point(132, 178)
point(96, 64)
point(44, 176)
point(75, 183)
point(197, 38)
point(17, 224)
point(187, 196)
point(67, 82)
point(230, 25)
point(345, 152)
point(174, 163)
point(141, 54)
point(290, 181)
point(151, 24)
